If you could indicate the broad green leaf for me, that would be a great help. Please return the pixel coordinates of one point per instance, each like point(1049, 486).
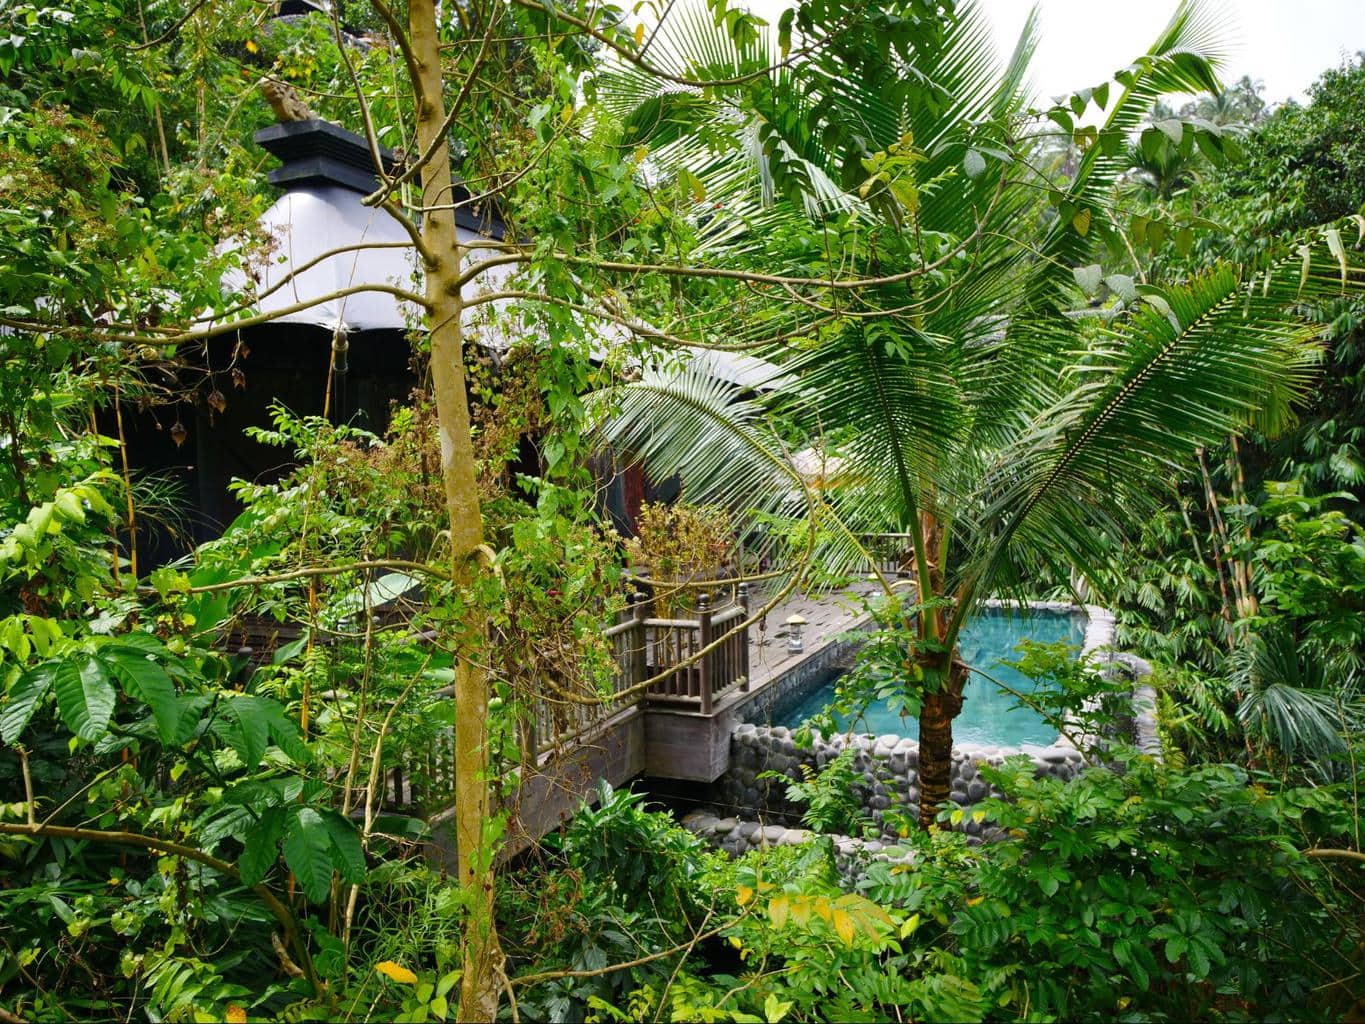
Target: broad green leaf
point(261, 846)
point(285, 732)
point(85, 697)
point(1088, 278)
point(144, 643)
point(23, 700)
point(69, 505)
point(244, 724)
point(1123, 286)
point(694, 185)
point(350, 855)
point(974, 164)
point(308, 852)
point(146, 681)
point(1173, 129)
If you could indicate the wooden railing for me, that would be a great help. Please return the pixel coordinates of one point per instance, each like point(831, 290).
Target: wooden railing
point(892, 553)
point(644, 647)
point(672, 650)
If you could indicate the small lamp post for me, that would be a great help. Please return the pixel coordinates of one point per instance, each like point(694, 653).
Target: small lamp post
point(795, 641)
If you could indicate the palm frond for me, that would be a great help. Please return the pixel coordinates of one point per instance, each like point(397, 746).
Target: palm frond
point(1197, 364)
point(1285, 701)
point(682, 421)
point(1184, 59)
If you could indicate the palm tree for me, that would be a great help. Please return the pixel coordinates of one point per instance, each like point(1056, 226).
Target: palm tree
point(1006, 438)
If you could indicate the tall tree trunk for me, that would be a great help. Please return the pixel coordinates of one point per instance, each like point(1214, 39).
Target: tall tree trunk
point(936, 742)
point(944, 705)
point(479, 985)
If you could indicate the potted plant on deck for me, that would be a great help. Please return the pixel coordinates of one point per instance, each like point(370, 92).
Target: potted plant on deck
point(678, 548)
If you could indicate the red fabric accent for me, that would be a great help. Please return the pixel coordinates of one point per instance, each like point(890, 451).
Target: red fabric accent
point(634, 488)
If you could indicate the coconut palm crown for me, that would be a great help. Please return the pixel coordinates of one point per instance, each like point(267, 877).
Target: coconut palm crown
point(1013, 442)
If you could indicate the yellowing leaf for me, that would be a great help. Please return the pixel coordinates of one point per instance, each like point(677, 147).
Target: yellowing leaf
point(911, 923)
point(743, 894)
point(640, 34)
point(906, 194)
point(396, 972)
point(778, 909)
point(251, 47)
point(775, 1009)
point(693, 183)
point(566, 115)
point(1081, 222)
point(734, 941)
point(235, 1014)
point(843, 926)
point(976, 900)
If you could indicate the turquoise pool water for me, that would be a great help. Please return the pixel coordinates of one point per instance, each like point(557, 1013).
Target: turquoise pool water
point(990, 716)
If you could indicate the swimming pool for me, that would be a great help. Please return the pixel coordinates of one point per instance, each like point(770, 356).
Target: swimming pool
point(990, 716)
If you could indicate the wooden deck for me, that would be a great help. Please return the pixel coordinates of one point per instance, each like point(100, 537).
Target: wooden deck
point(693, 746)
point(678, 706)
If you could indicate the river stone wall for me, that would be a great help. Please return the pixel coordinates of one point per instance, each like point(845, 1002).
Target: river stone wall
point(889, 766)
point(738, 837)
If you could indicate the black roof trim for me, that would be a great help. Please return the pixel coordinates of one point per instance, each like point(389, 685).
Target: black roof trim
point(317, 152)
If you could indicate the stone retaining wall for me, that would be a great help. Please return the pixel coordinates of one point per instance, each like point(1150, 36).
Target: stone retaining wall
point(889, 766)
point(737, 837)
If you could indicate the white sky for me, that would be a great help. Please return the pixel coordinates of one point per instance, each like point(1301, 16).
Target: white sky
point(1284, 43)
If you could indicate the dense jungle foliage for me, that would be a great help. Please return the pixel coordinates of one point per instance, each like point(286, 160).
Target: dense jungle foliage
point(227, 769)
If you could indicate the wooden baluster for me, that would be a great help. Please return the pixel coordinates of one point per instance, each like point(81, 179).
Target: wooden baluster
point(639, 641)
point(704, 636)
point(684, 675)
point(743, 638)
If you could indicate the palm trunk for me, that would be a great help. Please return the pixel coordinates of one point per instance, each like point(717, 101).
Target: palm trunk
point(482, 959)
point(936, 743)
point(944, 705)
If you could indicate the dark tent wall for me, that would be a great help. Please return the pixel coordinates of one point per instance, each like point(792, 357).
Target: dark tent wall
point(285, 363)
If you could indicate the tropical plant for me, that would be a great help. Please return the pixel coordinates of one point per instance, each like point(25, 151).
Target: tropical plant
point(831, 796)
point(1012, 442)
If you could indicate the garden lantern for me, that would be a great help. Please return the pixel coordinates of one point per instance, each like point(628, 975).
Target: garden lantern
point(795, 641)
